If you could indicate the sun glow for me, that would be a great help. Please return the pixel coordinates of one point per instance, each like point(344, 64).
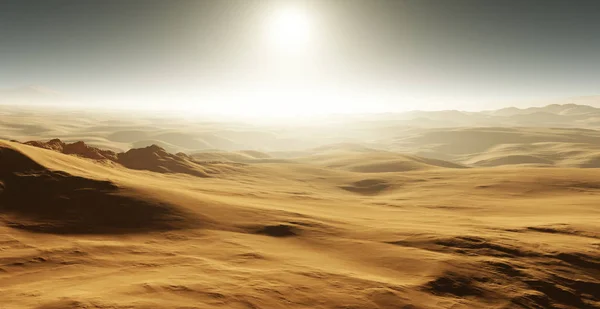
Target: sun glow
point(289, 30)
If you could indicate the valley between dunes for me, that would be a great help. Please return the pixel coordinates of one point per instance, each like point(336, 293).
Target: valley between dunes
point(329, 230)
point(448, 209)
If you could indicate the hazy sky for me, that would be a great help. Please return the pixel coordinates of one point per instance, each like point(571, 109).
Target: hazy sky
point(353, 55)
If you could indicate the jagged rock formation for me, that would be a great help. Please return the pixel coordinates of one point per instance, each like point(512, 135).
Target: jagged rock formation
point(152, 158)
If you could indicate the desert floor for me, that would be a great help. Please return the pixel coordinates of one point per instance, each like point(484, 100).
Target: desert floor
point(342, 226)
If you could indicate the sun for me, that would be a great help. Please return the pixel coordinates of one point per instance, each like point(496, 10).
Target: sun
point(289, 29)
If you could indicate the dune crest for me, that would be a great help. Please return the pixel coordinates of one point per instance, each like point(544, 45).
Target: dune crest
point(78, 148)
point(152, 158)
point(434, 237)
point(156, 159)
point(35, 198)
point(369, 212)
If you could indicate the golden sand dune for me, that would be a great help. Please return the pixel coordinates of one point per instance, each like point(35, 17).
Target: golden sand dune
point(237, 156)
point(151, 158)
point(566, 147)
point(80, 233)
point(40, 199)
point(550, 154)
point(375, 161)
point(455, 136)
point(461, 141)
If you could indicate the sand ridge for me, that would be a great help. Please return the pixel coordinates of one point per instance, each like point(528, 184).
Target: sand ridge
point(164, 212)
point(294, 235)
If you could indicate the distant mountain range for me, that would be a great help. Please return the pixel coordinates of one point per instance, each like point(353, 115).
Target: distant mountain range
point(552, 115)
point(557, 109)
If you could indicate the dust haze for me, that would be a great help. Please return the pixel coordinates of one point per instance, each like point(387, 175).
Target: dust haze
point(299, 154)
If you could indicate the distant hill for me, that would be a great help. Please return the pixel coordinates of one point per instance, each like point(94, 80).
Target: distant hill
point(557, 109)
point(552, 115)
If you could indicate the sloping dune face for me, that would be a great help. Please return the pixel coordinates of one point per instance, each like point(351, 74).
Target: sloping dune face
point(38, 199)
point(309, 233)
point(506, 146)
point(464, 138)
point(151, 158)
point(547, 153)
point(156, 159)
point(78, 148)
point(373, 161)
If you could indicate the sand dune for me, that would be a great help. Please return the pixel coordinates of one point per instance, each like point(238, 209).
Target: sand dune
point(152, 158)
point(38, 199)
point(365, 212)
point(411, 132)
point(79, 233)
point(156, 159)
point(238, 156)
point(548, 153)
point(512, 159)
point(375, 162)
point(78, 149)
point(557, 109)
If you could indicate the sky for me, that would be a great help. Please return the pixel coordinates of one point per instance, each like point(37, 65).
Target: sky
point(277, 57)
